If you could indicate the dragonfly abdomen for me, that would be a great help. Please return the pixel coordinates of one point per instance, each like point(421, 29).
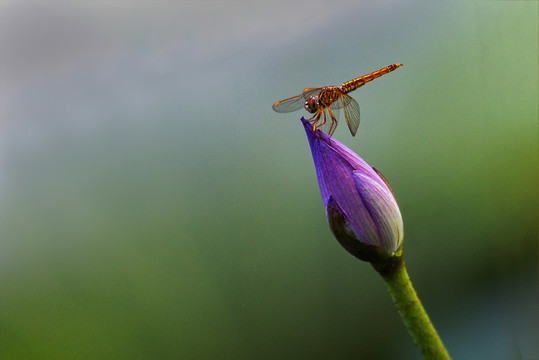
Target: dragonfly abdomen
point(360, 81)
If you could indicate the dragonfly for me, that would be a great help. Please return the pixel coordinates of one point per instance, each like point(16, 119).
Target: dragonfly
point(326, 102)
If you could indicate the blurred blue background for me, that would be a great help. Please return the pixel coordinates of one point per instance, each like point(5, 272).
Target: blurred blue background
point(153, 205)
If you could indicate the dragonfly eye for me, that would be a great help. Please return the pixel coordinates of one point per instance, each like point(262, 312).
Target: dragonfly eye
point(311, 105)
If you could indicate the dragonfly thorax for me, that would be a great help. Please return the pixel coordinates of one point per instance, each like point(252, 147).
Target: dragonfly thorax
point(312, 104)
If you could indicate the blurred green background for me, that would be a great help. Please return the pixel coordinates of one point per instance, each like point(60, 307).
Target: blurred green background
point(153, 206)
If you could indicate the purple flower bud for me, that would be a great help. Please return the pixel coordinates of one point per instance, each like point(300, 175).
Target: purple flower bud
point(360, 206)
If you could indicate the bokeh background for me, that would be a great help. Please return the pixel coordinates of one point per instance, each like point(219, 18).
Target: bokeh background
point(153, 206)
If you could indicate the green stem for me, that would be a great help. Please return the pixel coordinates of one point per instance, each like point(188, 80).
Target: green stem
point(410, 309)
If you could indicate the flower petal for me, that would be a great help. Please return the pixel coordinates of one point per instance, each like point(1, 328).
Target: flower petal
point(383, 209)
point(353, 189)
point(335, 178)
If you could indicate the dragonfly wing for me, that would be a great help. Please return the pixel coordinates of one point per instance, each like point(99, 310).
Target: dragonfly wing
point(311, 92)
point(351, 112)
point(295, 102)
point(288, 105)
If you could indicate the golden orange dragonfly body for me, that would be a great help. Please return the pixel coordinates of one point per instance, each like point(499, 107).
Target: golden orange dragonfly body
point(326, 102)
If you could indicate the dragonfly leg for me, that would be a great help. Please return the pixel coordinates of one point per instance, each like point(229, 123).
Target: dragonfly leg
point(314, 120)
point(334, 123)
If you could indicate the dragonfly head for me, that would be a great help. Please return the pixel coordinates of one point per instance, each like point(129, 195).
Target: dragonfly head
point(312, 104)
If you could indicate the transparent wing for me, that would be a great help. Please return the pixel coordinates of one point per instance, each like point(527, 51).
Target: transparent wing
point(351, 112)
point(288, 105)
point(311, 92)
point(296, 102)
